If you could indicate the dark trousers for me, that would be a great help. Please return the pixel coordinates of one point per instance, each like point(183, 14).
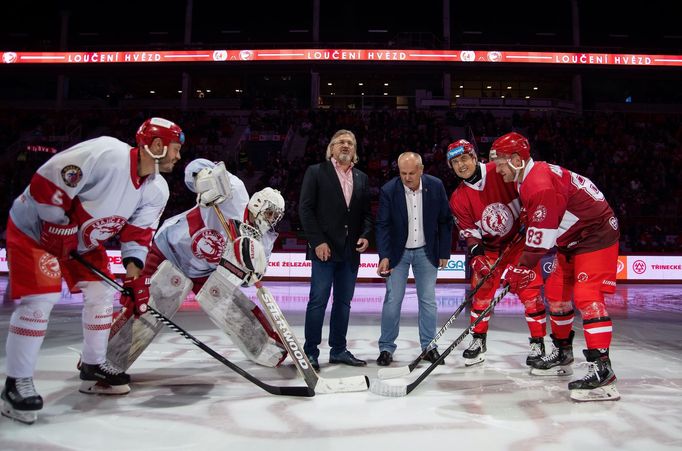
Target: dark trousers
point(342, 275)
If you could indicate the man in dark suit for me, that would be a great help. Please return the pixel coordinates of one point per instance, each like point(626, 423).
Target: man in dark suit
point(413, 228)
point(335, 213)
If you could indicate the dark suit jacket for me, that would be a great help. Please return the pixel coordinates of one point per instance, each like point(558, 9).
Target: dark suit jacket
point(391, 223)
point(325, 216)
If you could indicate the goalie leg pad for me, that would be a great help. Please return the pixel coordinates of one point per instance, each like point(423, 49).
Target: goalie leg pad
point(240, 319)
point(169, 288)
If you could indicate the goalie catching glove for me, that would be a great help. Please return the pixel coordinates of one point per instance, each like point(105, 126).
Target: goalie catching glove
point(245, 259)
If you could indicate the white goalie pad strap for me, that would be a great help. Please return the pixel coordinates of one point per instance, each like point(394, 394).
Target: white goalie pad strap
point(213, 185)
point(169, 288)
point(237, 316)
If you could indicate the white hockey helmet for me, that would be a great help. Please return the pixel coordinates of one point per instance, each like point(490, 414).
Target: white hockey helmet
point(266, 208)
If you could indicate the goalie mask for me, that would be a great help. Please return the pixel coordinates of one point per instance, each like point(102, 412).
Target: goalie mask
point(266, 208)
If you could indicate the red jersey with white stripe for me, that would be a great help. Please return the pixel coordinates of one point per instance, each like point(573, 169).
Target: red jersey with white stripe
point(564, 209)
point(486, 211)
point(95, 184)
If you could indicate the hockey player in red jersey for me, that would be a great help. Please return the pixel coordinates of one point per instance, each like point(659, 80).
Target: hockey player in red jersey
point(78, 199)
point(486, 211)
point(566, 210)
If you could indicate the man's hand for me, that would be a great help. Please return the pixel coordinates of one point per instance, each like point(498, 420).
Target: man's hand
point(323, 252)
point(361, 245)
point(517, 277)
point(383, 270)
point(442, 262)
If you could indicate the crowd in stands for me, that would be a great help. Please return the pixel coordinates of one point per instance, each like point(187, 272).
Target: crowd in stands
point(634, 158)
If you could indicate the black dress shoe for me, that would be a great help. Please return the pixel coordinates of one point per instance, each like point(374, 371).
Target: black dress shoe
point(313, 362)
point(385, 358)
point(347, 359)
point(432, 356)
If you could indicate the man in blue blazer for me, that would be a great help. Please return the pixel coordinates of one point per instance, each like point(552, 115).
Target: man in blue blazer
point(413, 228)
point(337, 220)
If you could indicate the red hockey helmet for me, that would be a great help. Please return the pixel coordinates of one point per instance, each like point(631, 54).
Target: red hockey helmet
point(157, 127)
point(458, 148)
point(509, 144)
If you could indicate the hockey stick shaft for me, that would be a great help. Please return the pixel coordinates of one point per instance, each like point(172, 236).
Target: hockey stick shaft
point(387, 373)
point(459, 339)
point(286, 391)
point(291, 344)
point(277, 320)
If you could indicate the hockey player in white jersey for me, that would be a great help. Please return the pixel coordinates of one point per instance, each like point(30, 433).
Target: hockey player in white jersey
point(191, 251)
point(74, 202)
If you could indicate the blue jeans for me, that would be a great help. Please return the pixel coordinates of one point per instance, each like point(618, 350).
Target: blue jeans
point(425, 275)
point(342, 276)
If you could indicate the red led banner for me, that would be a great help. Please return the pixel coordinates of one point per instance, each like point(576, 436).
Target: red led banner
point(454, 56)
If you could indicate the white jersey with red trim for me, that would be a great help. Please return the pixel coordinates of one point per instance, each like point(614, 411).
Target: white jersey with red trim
point(487, 210)
point(194, 240)
point(565, 209)
point(95, 184)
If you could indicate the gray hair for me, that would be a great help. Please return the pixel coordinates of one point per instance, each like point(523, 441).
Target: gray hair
point(414, 155)
point(333, 141)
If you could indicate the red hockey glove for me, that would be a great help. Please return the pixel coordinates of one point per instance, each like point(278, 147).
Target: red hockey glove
point(517, 277)
point(137, 294)
point(480, 266)
point(59, 240)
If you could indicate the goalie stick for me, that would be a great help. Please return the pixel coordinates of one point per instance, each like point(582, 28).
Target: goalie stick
point(380, 387)
point(389, 373)
point(278, 321)
point(275, 390)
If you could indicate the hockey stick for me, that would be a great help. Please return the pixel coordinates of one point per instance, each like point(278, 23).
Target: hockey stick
point(275, 390)
point(388, 373)
point(380, 387)
point(278, 321)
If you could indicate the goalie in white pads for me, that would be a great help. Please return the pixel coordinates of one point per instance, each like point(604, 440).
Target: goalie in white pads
point(191, 251)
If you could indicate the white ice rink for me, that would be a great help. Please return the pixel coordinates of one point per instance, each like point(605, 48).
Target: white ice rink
point(183, 399)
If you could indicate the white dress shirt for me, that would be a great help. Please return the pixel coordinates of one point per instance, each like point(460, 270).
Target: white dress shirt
point(415, 218)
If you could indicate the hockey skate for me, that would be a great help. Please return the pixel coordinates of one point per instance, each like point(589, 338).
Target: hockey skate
point(599, 384)
point(103, 379)
point(475, 353)
point(21, 401)
point(558, 362)
point(537, 350)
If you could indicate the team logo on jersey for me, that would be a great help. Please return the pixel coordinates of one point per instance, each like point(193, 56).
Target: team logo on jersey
point(49, 265)
point(539, 214)
point(97, 231)
point(497, 219)
point(208, 244)
point(71, 175)
point(613, 222)
point(582, 277)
